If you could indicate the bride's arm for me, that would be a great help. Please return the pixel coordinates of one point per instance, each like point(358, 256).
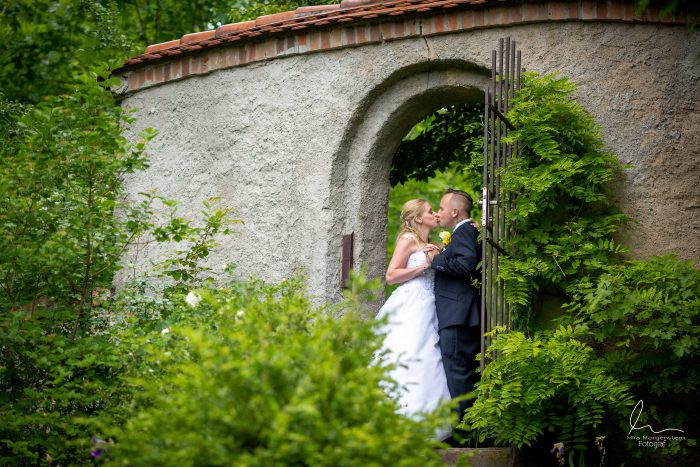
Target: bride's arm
point(397, 272)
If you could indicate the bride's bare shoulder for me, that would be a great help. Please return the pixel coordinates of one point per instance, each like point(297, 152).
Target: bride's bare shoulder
point(409, 236)
point(411, 241)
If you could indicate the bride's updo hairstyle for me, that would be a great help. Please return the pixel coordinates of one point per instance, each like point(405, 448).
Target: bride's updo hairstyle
point(409, 211)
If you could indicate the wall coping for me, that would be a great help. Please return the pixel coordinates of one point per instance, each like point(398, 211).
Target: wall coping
point(354, 23)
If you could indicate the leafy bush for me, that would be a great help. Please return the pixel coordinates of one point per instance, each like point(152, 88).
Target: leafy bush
point(563, 218)
point(59, 173)
point(53, 390)
point(256, 376)
point(63, 360)
point(642, 315)
point(645, 319)
point(59, 187)
point(551, 382)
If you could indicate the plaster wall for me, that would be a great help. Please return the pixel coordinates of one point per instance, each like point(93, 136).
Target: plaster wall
point(301, 145)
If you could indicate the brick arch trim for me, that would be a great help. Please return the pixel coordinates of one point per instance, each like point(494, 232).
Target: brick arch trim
point(356, 23)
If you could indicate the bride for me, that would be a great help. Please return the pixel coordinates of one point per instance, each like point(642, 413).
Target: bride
point(412, 331)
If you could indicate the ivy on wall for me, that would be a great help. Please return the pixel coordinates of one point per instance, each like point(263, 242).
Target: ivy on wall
point(639, 321)
point(564, 220)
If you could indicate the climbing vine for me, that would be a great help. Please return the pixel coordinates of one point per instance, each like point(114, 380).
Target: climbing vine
point(563, 217)
point(627, 329)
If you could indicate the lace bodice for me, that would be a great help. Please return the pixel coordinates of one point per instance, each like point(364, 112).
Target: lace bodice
point(426, 279)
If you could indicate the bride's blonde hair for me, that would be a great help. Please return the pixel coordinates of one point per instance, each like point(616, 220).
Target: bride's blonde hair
point(409, 211)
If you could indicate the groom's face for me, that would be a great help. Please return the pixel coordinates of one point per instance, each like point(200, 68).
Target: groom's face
point(447, 214)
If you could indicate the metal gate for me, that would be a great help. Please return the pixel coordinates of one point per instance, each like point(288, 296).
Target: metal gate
point(505, 79)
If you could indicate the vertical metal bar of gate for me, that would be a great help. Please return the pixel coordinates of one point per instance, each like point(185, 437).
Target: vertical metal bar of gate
point(505, 81)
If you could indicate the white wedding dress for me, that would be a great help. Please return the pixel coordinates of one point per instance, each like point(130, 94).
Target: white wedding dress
point(412, 343)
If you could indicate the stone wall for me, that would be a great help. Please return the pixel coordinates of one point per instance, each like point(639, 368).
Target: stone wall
point(301, 145)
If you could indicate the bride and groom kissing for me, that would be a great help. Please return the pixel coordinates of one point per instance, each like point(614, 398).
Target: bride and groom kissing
point(433, 317)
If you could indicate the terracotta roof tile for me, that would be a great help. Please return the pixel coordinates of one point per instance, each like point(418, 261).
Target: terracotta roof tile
point(310, 10)
point(197, 36)
point(162, 46)
point(226, 28)
point(308, 17)
point(274, 18)
point(355, 3)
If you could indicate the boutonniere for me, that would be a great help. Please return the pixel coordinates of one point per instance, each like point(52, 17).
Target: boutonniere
point(445, 236)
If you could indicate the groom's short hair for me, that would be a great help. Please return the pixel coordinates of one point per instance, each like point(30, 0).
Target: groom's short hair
point(461, 199)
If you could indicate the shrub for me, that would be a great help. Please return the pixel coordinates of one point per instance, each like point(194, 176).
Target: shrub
point(59, 185)
point(64, 362)
point(54, 389)
point(551, 382)
point(645, 319)
point(257, 376)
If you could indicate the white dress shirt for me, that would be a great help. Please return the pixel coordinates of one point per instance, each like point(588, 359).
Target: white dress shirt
point(460, 223)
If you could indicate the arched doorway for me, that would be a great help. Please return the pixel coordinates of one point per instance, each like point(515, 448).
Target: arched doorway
point(360, 174)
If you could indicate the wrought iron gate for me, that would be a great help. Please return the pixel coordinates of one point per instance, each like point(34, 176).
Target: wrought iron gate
point(505, 79)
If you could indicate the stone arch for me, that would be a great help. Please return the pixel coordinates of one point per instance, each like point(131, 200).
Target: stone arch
point(287, 113)
point(360, 169)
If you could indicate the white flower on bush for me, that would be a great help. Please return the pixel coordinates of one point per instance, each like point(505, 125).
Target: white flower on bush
point(193, 299)
point(240, 313)
point(165, 331)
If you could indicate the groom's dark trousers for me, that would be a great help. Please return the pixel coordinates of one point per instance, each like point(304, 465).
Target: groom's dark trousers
point(457, 303)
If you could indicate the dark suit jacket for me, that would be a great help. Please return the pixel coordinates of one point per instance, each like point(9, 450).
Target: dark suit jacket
point(457, 301)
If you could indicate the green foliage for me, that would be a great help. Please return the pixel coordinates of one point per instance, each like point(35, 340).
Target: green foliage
point(652, 306)
point(55, 389)
point(244, 10)
point(645, 315)
point(255, 375)
point(669, 8)
point(46, 42)
point(59, 387)
point(184, 265)
point(551, 382)
point(63, 365)
point(59, 184)
point(563, 218)
point(453, 135)
point(148, 22)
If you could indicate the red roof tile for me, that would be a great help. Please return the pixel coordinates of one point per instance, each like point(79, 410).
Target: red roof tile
point(302, 17)
point(162, 46)
point(358, 11)
point(273, 18)
point(197, 37)
point(226, 28)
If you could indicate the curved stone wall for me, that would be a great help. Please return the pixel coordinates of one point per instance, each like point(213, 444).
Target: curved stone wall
point(301, 145)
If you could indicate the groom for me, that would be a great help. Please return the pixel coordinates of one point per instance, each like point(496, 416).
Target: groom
point(457, 301)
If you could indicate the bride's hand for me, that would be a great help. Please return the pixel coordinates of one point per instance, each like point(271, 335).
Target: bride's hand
point(429, 255)
point(431, 247)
